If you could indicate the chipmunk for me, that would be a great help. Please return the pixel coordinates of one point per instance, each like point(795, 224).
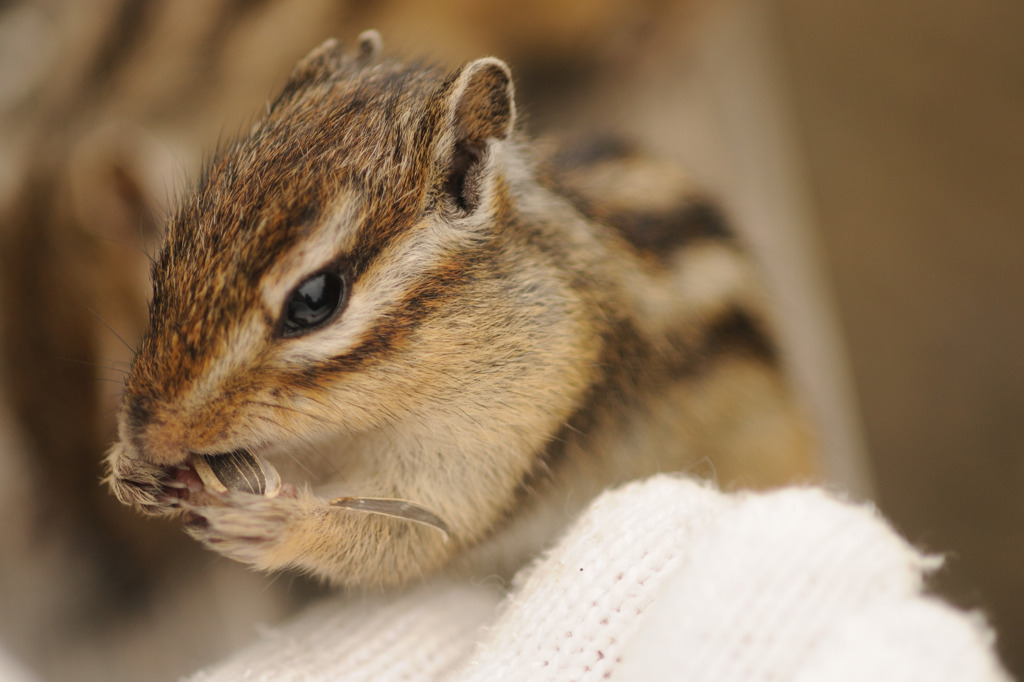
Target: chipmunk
point(385, 290)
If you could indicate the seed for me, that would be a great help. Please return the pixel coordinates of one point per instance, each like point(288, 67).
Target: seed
point(238, 470)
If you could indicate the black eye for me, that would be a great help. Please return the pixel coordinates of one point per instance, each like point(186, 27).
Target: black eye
point(313, 302)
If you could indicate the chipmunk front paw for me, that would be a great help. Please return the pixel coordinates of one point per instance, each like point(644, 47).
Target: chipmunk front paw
point(140, 484)
point(249, 528)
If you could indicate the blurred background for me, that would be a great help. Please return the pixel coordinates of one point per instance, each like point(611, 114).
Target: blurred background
point(871, 152)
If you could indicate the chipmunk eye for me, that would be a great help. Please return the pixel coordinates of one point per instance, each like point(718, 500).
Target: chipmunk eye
point(313, 303)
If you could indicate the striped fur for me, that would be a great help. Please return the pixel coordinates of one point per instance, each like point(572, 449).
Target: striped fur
point(527, 324)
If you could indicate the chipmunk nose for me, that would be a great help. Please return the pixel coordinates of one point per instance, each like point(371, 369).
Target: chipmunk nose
point(155, 437)
point(137, 414)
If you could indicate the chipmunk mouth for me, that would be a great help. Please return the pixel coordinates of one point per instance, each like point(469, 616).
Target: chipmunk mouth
point(239, 470)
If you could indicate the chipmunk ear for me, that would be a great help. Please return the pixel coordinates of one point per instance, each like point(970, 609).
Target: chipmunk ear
point(481, 109)
point(482, 101)
point(368, 45)
point(321, 62)
point(326, 59)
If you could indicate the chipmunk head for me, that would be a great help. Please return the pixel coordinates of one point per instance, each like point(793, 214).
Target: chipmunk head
point(345, 269)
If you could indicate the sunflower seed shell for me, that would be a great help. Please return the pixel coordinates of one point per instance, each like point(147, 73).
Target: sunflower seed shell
point(239, 470)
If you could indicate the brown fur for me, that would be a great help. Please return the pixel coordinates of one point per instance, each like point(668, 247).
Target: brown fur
point(520, 332)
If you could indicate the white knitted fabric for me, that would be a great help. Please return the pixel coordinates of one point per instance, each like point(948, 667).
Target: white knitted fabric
point(659, 580)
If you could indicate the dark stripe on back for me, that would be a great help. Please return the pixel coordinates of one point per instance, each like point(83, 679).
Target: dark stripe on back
point(736, 332)
point(665, 231)
point(570, 172)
